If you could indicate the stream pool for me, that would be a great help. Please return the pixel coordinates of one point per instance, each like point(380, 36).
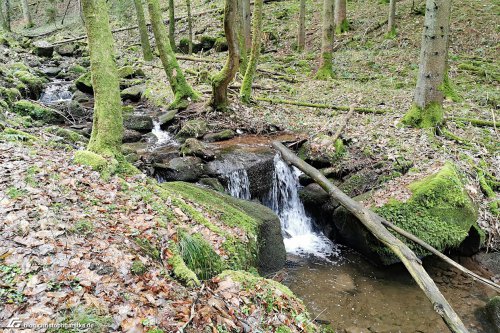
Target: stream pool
point(356, 296)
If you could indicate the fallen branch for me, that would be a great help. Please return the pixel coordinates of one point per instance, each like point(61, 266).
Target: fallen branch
point(319, 106)
point(373, 223)
point(476, 122)
point(192, 314)
point(344, 124)
point(441, 256)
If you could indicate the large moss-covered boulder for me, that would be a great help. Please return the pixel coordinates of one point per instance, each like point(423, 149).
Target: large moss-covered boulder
point(261, 243)
point(84, 83)
point(187, 169)
point(438, 211)
point(37, 112)
point(30, 85)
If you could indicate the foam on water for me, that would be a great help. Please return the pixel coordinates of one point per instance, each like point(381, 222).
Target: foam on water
point(164, 138)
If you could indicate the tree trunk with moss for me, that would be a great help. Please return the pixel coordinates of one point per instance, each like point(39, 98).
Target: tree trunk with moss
point(107, 129)
point(427, 109)
point(241, 34)
point(26, 14)
point(226, 75)
point(247, 24)
point(183, 92)
point(171, 24)
point(190, 26)
point(246, 86)
point(341, 23)
point(2, 16)
point(391, 23)
point(301, 39)
point(143, 30)
point(7, 19)
point(325, 70)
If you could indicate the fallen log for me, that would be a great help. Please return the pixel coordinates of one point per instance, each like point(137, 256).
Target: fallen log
point(320, 106)
point(476, 122)
point(373, 223)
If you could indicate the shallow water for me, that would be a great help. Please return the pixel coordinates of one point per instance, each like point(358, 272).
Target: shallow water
point(356, 296)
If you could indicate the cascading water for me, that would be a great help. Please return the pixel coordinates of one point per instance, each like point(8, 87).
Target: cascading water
point(300, 237)
point(56, 92)
point(163, 137)
point(238, 184)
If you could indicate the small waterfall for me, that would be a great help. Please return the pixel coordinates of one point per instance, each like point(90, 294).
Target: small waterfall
point(238, 184)
point(163, 137)
point(56, 92)
point(300, 237)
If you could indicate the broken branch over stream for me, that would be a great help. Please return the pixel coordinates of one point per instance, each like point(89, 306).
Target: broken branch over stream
point(373, 223)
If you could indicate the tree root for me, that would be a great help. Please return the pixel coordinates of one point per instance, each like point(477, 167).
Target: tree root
point(476, 122)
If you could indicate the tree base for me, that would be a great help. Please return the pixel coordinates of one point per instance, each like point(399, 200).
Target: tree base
point(428, 117)
point(342, 27)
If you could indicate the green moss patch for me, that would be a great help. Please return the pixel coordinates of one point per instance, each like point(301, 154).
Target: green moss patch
point(36, 111)
point(440, 211)
point(427, 117)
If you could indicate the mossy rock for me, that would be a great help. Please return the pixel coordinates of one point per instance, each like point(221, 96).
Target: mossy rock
point(67, 134)
point(440, 212)
point(220, 44)
point(493, 311)
point(43, 49)
point(212, 183)
point(140, 123)
point(84, 83)
point(129, 72)
point(10, 95)
point(37, 112)
point(192, 129)
point(133, 93)
point(193, 147)
point(219, 136)
point(264, 247)
point(31, 85)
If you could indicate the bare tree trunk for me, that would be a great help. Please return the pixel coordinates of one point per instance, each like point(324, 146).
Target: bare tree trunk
point(7, 15)
point(246, 86)
point(247, 24)
point(107, 129)
point(301, 39)
point(373, 223)
point(427, 110)
point(171, 24)
point(341, 23)
point(2, 16)
point(391, 25)
point(325, 70)
point(26, 14)
point(183, 92)
point(143, 31)
point(190, 26)
point(226, 75)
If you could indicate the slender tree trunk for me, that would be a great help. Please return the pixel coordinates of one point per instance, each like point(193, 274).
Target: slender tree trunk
point(26, 14)
point(427, 110)
point(183, 93)
point(171, 24)
point(7, 15)
point(2, 16)
point(391, 23)
point(107, 129)
point(301, 40)
point(246, 86)
point(226, 75)
point(247, 24)
point(190, 26)
point(143, 31)
point(241, 35)
point(325, 70)
point(341, 23)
